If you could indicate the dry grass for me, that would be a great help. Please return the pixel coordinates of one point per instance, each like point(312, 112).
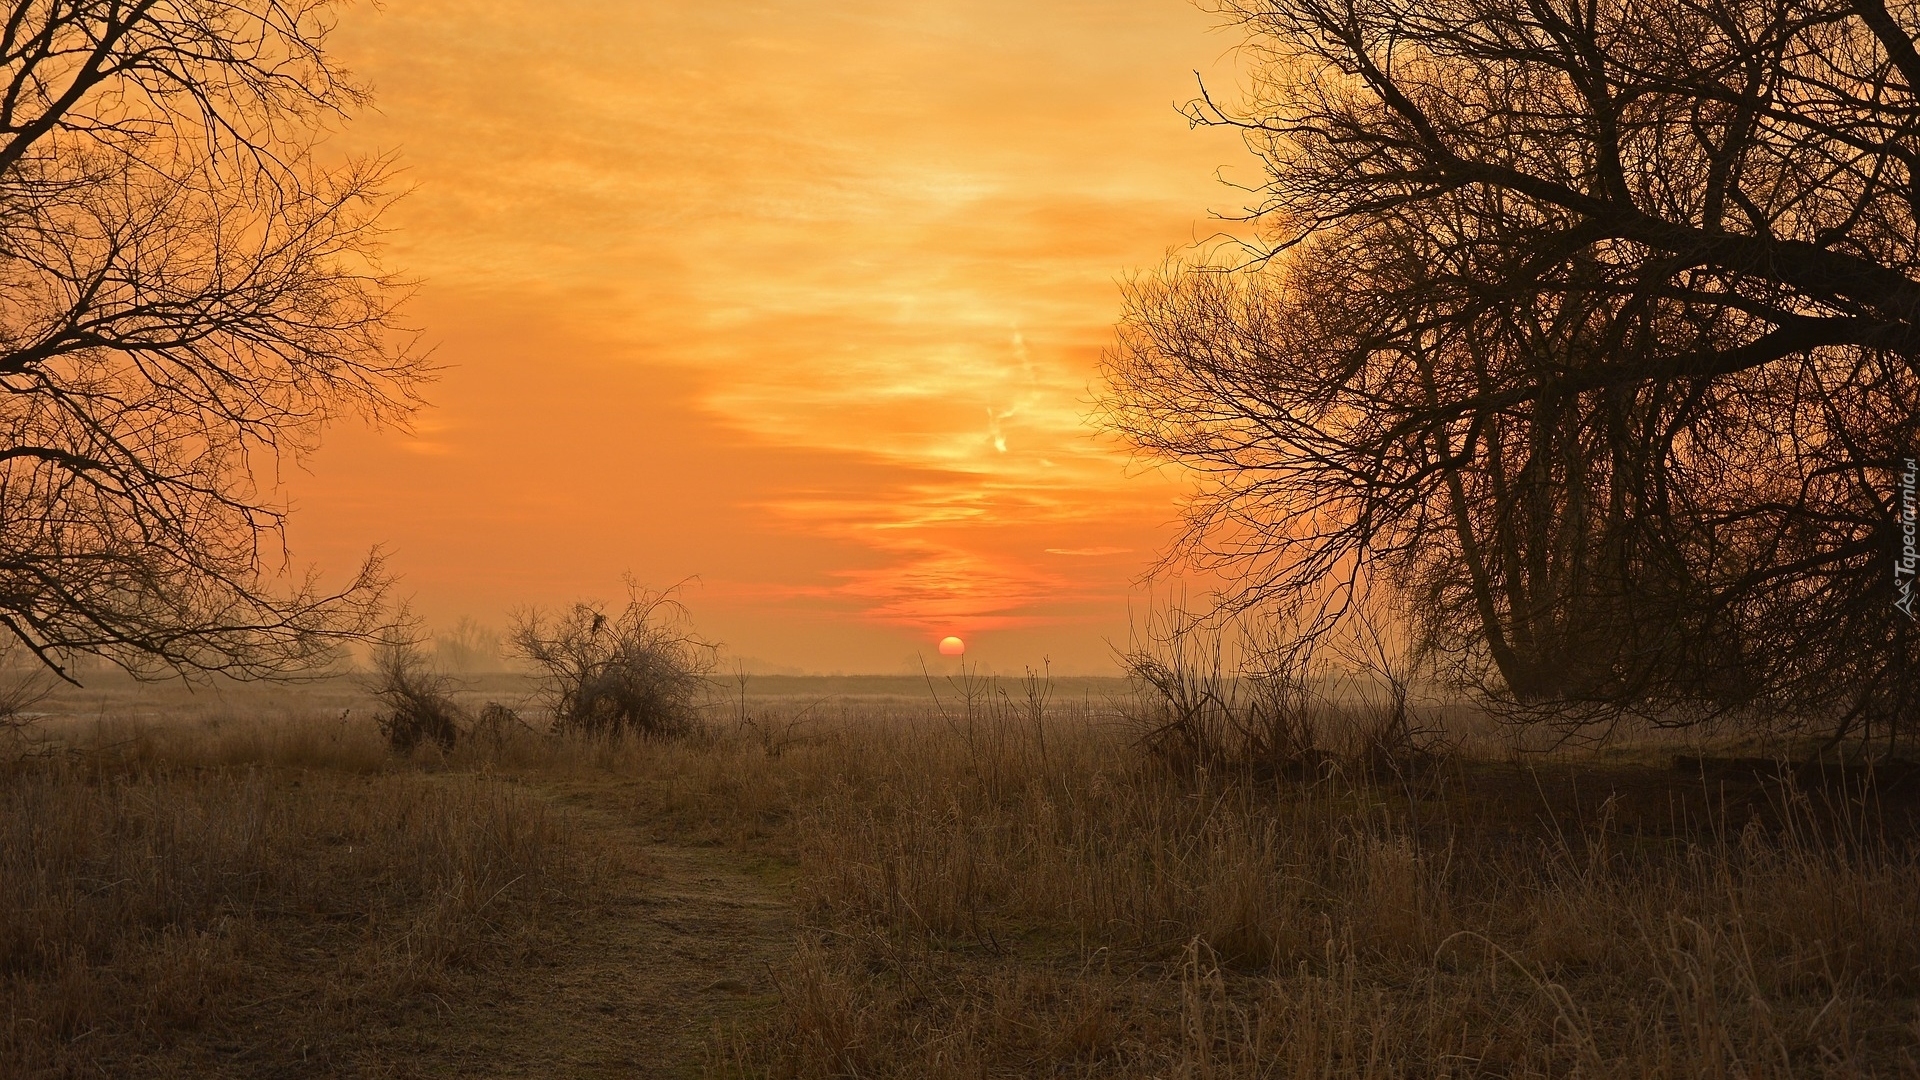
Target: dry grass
point(1029, 895)
point(172, 898)
point(1007, 888)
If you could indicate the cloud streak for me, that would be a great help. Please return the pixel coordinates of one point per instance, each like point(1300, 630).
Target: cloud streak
point(871, 249)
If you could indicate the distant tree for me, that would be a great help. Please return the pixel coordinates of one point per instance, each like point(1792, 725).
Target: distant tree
point(470, 646)
point(1590, 326)
point(187, 295)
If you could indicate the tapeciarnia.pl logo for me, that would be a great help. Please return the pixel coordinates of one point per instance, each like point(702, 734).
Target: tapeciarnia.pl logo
point(1904, 562)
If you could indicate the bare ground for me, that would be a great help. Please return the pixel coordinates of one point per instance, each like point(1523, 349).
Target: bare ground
point(681, 943)
point(677, 946)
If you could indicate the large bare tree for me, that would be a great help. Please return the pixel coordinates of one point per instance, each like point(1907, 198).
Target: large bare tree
point(1590, 326)
point(187, 296)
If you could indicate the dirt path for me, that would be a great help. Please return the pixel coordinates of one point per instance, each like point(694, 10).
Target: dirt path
point(682, 942)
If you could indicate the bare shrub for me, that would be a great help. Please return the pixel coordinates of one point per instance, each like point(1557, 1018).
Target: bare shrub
point(24, 683)
point(639, 672)
point(1195, 706)
point(1254, 695)
point(495, 724)
point(419, 701)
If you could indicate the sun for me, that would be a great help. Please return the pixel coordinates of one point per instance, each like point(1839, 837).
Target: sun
point(952, 646)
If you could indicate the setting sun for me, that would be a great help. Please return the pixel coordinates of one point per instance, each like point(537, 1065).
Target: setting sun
point(952, 646)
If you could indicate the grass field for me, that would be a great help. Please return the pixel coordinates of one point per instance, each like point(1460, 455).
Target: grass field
point(849, 879)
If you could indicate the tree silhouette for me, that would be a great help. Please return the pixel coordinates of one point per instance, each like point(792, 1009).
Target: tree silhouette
point(1590, 326)
point(187, 295)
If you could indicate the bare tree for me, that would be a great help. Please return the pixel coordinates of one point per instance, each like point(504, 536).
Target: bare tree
point(468, 647)
point(1590, 325)
point(187, 296)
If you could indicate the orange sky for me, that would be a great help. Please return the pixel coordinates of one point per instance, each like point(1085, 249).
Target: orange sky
point(802, 299)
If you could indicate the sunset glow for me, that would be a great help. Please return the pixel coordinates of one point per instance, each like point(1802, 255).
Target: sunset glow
point(800, 306)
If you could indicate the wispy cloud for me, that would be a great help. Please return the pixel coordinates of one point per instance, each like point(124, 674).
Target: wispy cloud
point(873, 246)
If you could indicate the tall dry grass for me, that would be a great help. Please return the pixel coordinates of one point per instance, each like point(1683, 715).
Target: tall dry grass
point(997, 884)
point(250, 884)
point(1015, 888)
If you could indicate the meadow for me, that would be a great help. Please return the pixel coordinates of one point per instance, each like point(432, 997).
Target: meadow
point(941, 878)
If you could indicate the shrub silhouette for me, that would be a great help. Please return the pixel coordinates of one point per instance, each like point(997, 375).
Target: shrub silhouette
point(638, 672)
point(419, 701)
point(494, 725)
point(24, 683)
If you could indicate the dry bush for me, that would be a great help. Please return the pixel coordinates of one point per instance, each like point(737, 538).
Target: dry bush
point(24, 683)
point(495, 725)
point(1246, 698)
point(639, 672)
point(150, 895)
point(418, 701)
point(1194, 708)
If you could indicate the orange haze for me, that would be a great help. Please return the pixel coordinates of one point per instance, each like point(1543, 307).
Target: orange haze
point(802, 300)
